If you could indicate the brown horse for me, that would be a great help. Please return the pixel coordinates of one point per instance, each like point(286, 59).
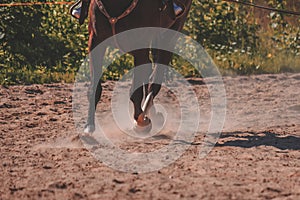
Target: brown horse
point(104, 23)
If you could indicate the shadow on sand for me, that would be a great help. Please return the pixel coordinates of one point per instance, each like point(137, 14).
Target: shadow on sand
point(234, 139)
point(252, 139)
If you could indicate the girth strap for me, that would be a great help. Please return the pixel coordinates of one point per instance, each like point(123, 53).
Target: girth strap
point(114, 20)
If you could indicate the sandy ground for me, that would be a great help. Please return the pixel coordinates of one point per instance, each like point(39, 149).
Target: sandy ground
point(256, 157)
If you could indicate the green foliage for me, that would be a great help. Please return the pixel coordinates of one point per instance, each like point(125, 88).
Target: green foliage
point(238, 45)
point(221, 26)
point(285, 36)
point(38, 39)
point(119, 66)
point(223, 29)
point(42, 44)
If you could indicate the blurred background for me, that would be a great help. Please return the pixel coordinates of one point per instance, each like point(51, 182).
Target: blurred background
point(44, 44)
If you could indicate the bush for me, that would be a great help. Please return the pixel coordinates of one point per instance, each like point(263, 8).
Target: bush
point(39, 38)
point(44, 44)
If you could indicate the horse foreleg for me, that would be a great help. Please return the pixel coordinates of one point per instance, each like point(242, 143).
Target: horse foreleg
point(95, 88)
point(140, 81)
point(94, 95)
point(161, 58)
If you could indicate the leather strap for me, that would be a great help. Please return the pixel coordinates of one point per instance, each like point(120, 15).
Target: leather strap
point(114, 20)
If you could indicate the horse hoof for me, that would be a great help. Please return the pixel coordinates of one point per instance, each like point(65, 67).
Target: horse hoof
point(142, 129)
point(89, 128)
point(143, 124)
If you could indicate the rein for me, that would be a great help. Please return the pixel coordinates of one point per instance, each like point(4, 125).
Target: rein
point(264, 7)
